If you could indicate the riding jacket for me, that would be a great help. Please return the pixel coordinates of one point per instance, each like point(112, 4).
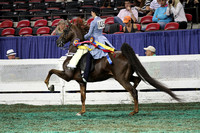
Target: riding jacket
point(96, 29)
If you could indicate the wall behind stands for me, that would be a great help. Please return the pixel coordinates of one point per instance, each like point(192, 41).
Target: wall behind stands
point(166, 42)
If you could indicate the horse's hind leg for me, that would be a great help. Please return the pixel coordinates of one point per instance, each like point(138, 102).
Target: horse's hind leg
point(59, 73)
point(131, 89)
point(136, 81)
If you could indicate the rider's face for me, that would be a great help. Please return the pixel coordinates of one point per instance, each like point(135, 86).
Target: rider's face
point(93, 14)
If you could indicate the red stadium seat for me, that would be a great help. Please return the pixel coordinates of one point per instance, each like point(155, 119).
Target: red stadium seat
point(36, 18)
point(152, 27)
point(146, 20)
point(43, 30)
point(171, 26)
point(6, 24)
point(109, 20)
point(23, 23)
point(40, 23)
point(53, 9)
point(138, 27)
point(189, 19)
point(55, 22)
point(35, 1)
point(4, 3)
point(8, 31)
point(49, 0)
point(120, 28)
point(25, 31)
point(89, 21)
point(118, 32)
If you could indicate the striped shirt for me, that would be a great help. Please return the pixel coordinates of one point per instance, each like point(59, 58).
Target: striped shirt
point(154, 5)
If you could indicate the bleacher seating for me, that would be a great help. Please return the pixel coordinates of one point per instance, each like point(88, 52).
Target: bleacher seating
point(26, 31)
point(43, 31)
point(8, 32)
point(109, 20)
point(6, 24)
point(171, 26)
point(55, 22)
point(89, 21)
point(138, 27)
point(152, 27)
point(17, 11)
point(189, 19)
point(23, 23)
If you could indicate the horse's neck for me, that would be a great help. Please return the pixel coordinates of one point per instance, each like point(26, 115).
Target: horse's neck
point(78, 34)
point(72, 48)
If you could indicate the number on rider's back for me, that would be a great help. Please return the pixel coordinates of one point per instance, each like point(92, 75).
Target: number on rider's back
point(101, 24)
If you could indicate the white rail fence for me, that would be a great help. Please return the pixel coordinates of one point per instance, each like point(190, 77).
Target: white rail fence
point(22, 81)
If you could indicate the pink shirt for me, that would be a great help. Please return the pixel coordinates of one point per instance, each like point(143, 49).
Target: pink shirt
point(124, 12)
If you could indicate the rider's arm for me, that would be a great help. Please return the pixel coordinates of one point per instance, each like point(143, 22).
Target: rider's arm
point(92, 25)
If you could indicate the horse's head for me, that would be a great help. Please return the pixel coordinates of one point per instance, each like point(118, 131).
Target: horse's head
point(65, 37)
point(72, 32)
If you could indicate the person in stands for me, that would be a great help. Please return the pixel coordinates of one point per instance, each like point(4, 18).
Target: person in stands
point(153, 6)
point(128, 11)
point(129, 26)
point(59, 28)
point(11, 54)
point(150, 51)
point(160, 15)
point(176, 8)
point(143, 7)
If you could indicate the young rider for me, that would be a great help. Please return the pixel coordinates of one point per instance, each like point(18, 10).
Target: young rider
point(96, 30)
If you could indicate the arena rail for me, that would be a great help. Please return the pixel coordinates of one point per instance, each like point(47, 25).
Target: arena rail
point(22, 81)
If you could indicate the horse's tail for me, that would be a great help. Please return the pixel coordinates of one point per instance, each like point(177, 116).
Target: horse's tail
point(128, 52)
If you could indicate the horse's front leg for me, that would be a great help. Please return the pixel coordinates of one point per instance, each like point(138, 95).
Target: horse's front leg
point(61, 74)
point(83, 97)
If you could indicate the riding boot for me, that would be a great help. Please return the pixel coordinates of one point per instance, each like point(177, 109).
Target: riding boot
point(88, 66)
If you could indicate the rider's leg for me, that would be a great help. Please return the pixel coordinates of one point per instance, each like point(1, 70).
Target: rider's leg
point(77, 56)
point(87, 68)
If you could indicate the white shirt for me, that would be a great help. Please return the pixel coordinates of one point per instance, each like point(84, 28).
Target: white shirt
point(124, 12)
point(154, 5)
point(178, 12)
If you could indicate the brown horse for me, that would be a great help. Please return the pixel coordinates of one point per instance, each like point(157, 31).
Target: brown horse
point(125, 63)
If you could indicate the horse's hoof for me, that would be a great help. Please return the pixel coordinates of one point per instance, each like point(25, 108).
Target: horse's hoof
point(132, 113)
point(78, 114)
point(51, 88)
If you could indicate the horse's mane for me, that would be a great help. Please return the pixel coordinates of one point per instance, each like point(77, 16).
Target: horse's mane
point(79, 23)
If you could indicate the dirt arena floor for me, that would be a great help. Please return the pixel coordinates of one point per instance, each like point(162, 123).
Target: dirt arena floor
point(156, 118)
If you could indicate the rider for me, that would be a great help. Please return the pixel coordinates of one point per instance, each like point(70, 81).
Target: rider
point(96, 29)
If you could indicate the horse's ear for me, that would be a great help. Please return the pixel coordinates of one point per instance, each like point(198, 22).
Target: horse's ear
point(69, 23)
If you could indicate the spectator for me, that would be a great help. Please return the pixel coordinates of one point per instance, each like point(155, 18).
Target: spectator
point(153, 6)
point(143, 7)
point(128, 11)
point(176, 8)
point(11, 54)
point(150, 51)
point(129, 26)
point(191, 3)
point(160, 15)
point(59, 28)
